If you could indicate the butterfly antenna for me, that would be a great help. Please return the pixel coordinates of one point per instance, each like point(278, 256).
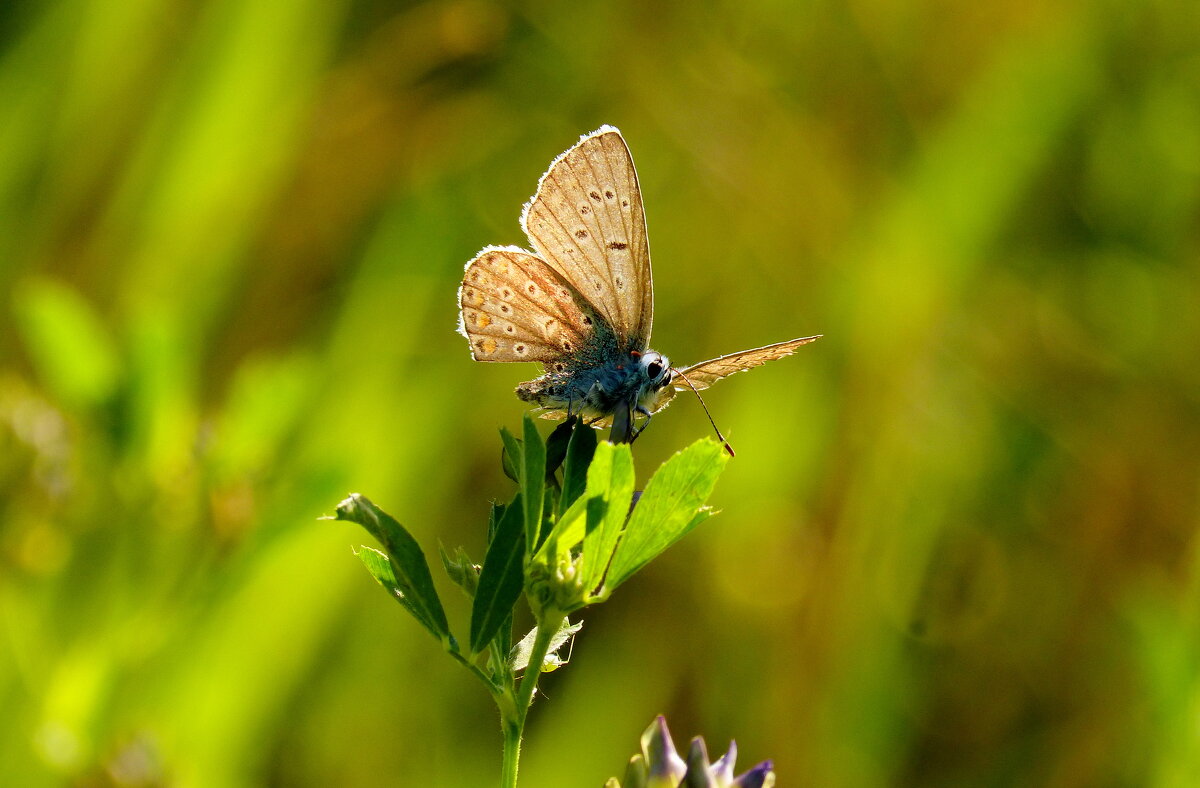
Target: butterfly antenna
point(716, 429)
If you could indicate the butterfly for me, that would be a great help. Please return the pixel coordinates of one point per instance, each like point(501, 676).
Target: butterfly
point(582, 302)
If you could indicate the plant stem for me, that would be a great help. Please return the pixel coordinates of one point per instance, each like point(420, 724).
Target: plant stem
point(512, 753)
point(541, 644)
point(512, 715)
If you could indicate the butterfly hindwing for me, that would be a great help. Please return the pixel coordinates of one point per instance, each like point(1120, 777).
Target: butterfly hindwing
point(706, 373)
point(515, 307)
point(586, 220)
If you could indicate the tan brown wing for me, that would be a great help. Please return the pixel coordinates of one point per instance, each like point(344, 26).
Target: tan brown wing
point(706, 373)
point(586, 220)
point(515, 307)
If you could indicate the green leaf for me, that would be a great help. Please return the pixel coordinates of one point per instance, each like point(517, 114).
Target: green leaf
point(494, 517)
point(556, 447)
point(575, 468)
point(533, 481)
point(502, 577)
point(510, 455)
point(410, 576)
point(609, 482)
point(549, 506)
point(595, 520)
point(610, 479)
point(380, 567)
point(670, 507)
point(569, 529)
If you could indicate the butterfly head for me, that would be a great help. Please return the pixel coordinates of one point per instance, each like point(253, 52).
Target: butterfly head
point(655, 366)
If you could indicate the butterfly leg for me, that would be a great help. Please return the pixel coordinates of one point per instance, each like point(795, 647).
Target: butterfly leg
point(638, 431)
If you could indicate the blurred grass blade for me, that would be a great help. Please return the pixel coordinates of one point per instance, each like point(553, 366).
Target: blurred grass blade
point(409, 579)
point(669, 508)
point(502, 577)
point(67, 342)
point(610, 479)
point(533, 481)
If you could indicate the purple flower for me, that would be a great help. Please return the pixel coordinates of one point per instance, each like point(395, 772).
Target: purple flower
point(659, 765)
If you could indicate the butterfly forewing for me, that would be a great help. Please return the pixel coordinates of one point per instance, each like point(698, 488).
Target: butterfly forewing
point(515, 307)
point(586, 220)
point(706, 373)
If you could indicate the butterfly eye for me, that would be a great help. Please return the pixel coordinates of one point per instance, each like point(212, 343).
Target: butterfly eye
point(654, 369)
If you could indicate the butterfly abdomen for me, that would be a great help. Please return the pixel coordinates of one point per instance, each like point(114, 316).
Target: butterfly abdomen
point(555, 391)
point(532, 391)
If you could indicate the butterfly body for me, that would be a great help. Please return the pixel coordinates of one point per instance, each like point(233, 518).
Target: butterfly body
point(582, 302)
point(634, 383)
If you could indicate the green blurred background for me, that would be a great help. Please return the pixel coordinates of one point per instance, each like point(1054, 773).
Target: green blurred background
point(958, 545)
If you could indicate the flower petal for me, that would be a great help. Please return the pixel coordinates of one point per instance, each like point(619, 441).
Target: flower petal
point(697, 762)
point(761, 776)
point(665, 765)
point(722, 770)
